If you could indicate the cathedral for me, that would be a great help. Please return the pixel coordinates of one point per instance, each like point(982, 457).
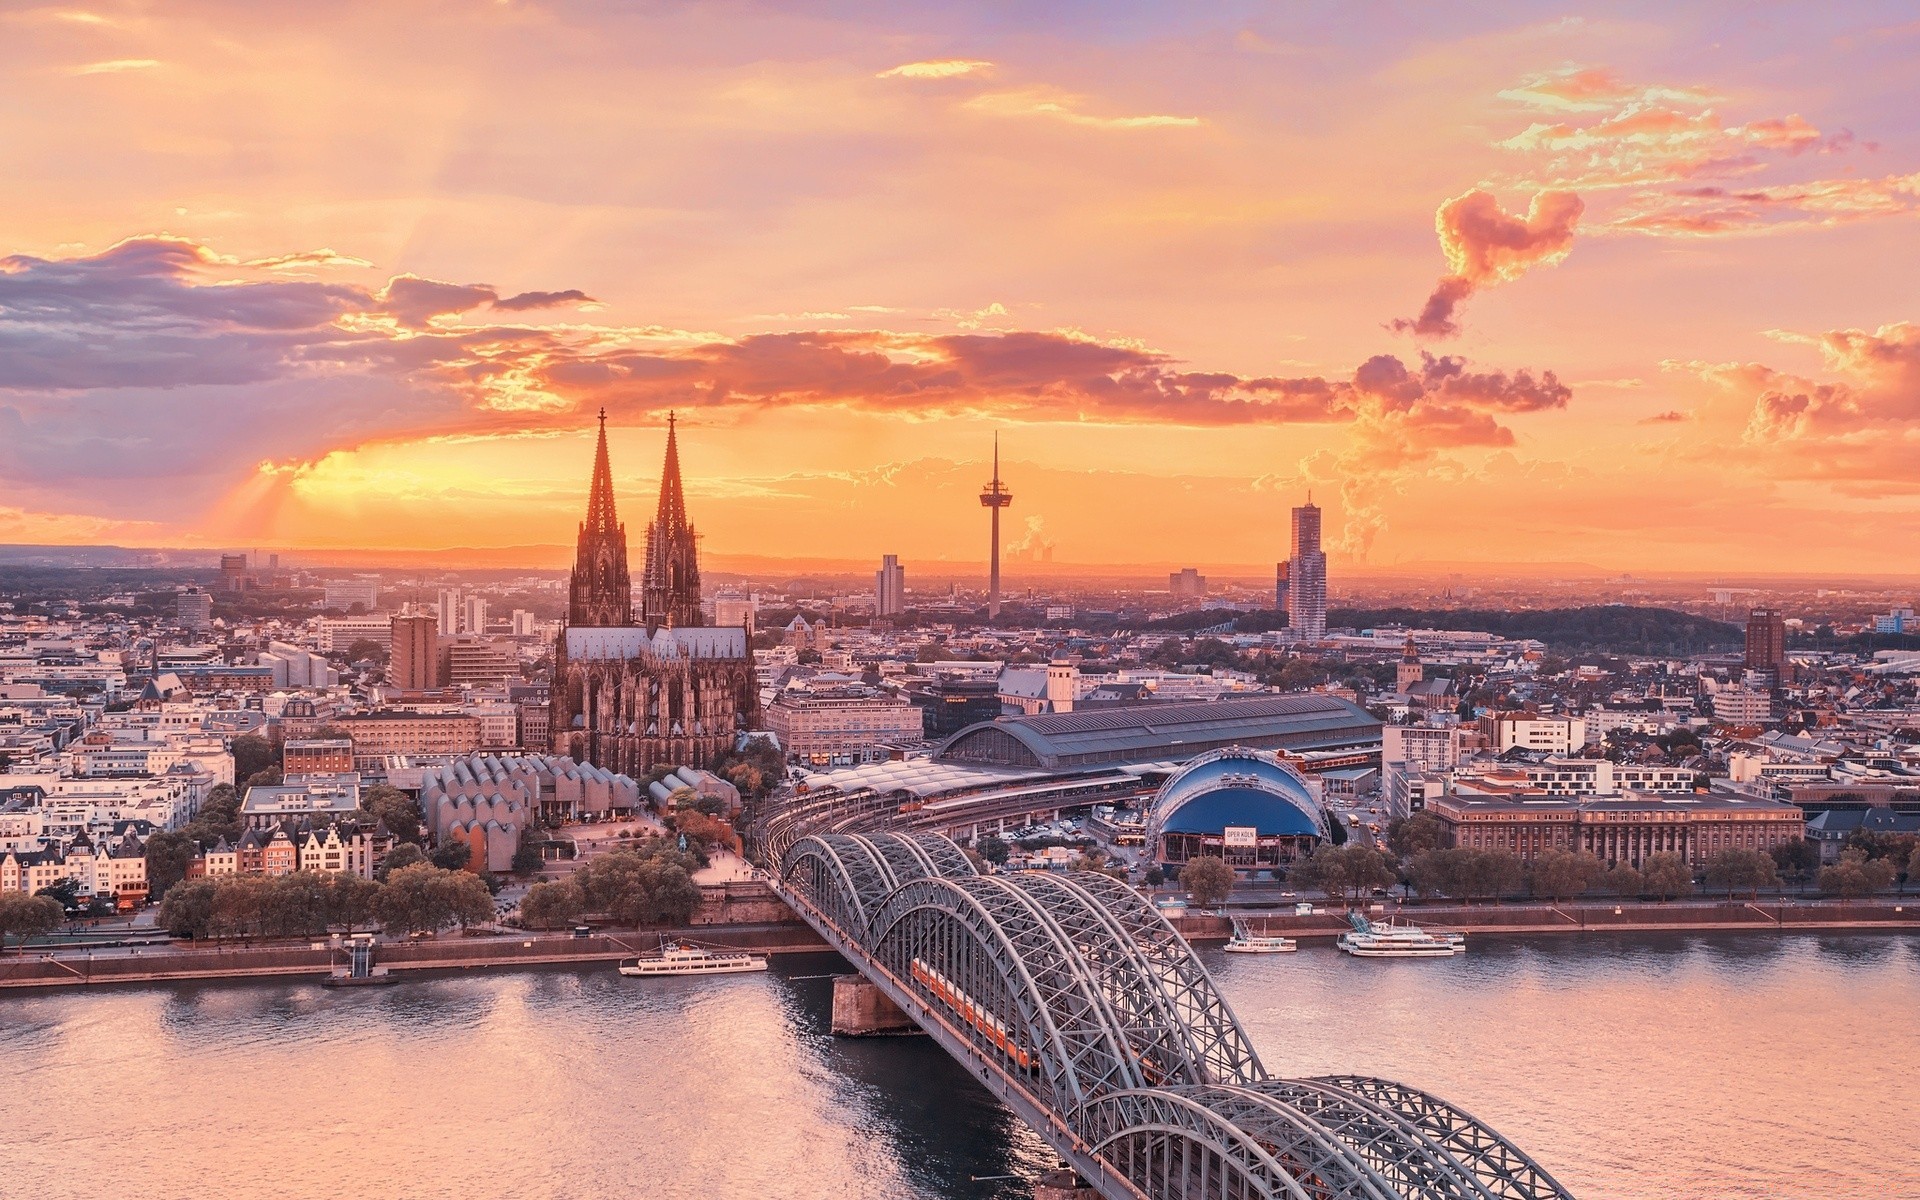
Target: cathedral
point(633, 691)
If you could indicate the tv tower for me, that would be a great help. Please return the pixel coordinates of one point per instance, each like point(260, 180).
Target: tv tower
point(995, 498)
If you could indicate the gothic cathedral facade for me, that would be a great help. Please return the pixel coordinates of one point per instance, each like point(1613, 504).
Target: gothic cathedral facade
point(663, 690)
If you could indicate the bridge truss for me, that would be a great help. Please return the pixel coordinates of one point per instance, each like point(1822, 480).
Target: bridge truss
point(1079, 1006)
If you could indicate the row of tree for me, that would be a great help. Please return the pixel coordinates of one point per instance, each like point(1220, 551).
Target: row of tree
point(646, 882)
point(413, 898)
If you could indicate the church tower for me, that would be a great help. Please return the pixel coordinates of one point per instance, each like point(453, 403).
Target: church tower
point(1410, 670)
point(601, 593)
point(670, 580)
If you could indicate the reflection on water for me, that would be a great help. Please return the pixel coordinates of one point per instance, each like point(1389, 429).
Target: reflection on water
point(1639, 1067)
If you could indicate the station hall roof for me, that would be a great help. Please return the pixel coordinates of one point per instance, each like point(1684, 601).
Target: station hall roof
point(1173, 730)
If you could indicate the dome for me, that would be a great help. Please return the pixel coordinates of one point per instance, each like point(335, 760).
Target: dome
point(1237, 787)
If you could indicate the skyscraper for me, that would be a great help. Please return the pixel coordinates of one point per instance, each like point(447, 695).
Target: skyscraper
point(474, 615)
point(416, 652)
point(1307, 576)
point(890, 587)
point(994, 498)
point(670, 577)
point(1767, 642)
point(450, 611)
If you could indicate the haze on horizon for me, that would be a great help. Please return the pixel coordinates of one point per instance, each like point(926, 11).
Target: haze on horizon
point(1510, 285)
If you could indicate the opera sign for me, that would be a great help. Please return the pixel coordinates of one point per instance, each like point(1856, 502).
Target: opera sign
point(1240, 835)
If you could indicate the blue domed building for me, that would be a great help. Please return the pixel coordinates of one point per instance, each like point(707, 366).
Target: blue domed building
point(1246, 806)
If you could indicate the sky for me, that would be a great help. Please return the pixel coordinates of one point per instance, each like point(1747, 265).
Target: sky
point(1630, 285)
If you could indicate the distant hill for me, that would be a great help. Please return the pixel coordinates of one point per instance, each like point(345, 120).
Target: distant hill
point(1612, 628)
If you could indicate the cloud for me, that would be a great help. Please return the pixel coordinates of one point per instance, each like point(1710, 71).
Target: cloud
point(1059, 106)
point(942, 68)
point(530, 300)
point(1712, 210)
point(1486, 245)
point(1593, 89)
point(1670, 417)
point(116, 66)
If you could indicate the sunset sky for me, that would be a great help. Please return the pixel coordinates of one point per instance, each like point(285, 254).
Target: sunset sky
point(1630, 286)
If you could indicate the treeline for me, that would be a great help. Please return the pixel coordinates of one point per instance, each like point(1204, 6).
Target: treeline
point(645, 882)
point(415, 898)
point(1610, 628)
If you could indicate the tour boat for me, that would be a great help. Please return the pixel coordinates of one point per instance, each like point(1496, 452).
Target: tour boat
point(1245, 941)
point(676, 958)
point(1376, 939)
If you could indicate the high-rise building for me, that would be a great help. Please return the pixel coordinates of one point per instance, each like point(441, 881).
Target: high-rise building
point(1187, 584)
point(451, 611)
point(890, 587)
point(670, 577)
point(1767, 642)
point(233, 572)
point(1307, 576)
point(343, 594)
point(415, 661)
point(473, 618)
point(194, 610)
point(994, 498)
point(1280, 585)
point(521, 623)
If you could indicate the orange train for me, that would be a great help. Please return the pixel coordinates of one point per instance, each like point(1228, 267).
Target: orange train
point(973, 1013)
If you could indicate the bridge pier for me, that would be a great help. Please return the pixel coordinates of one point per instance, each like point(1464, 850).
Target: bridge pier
point(861, 1009)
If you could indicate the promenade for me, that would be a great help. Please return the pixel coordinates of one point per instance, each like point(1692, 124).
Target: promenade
point(1767, 915)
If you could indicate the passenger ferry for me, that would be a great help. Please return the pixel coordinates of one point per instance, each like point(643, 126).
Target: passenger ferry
point(1371, 939)
point(677, 958)
point(1245, 941)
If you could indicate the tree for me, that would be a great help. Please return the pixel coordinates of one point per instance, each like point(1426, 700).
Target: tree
point(1856, 875)
point(351, 900)
point(24, 917)
point(527, 857)
point(403, 854)
point(1913, 867)
point(187, 910)
point(1154, 877)
point(218, 816)
point(426, 898)
point(1625, 882)
point(648, 882)
point(703, 833)
point(994, 850)
point(1667, 876)
point(1562, 875)
point(452, 854)
point(1416, 834)
point(1742, 871)
point(1096, 860)
point(169, 855)
point(399, 812)
point(65, 893)
point(1348, 872)
point(1796, 857)
point(365, 650)
point(253, 754)
point(552, 905)
point(1208, 879)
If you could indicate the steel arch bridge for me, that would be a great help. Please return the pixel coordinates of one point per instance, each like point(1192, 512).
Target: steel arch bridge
point(1079, 1006)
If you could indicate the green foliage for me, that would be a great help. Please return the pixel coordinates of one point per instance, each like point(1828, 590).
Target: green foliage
point(253, 754)
point(218, 816)
point(1154, 877)
point(1416, 834)
point(394, 808)
point(994, 850)
point(1564, 874)
point(451, 854)
point(1796, 858)
point(646, 882)
point(1666, 876)
point(402, 854)
point(1625, 882)
point(187, 910)
point(552, 905)
point(1614, 628)
point(426, 898)
point(366, 649)
point(1466, 874)
point(169, 855)
point(1856, 875)
point(527, 858)
point(26, 917)
point(1742, 871)
point(1208, 879)
point(65, 893)
point(1347, 872)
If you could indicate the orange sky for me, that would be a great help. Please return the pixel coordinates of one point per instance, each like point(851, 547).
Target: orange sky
point(1627, 289)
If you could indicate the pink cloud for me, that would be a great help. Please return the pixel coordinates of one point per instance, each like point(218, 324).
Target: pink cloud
point(1485, 244)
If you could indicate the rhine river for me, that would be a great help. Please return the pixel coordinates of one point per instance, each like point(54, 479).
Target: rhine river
point(1655, 1067)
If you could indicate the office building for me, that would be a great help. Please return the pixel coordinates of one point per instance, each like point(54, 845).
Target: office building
point(521, 623)
point(1187, 584)
point(1624, 829)
point(1767, 642)
point(233, 573)
point(473, 615)
point(415, 661)
point(843, 724)
point(343, 594)
point(1307, 576)
point(890, 587)
point(451, 611)
point(194, 610)
point(468, 659)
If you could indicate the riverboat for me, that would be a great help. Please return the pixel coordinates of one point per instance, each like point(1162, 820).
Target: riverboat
point(1245, 941)
point(678, 958)
point(1381, 939)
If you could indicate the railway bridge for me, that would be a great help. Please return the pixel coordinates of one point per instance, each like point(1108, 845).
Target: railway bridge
point(1079, 1006)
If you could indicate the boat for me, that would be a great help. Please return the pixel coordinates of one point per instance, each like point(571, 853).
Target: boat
point(1383, 939)
point(1245, 941)
point(680, 958)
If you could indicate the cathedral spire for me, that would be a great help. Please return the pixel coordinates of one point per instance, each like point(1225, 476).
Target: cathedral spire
point(601, 592)
point(670, 579)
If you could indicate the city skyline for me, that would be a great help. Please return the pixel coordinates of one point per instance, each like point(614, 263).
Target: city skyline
point(1543, 290)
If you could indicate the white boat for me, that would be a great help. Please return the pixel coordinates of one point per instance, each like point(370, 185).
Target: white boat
point(1245, 941)
point(676, 958)
point(1378, 939)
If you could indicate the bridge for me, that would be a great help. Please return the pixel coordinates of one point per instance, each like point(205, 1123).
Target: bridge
point(1077, 1004)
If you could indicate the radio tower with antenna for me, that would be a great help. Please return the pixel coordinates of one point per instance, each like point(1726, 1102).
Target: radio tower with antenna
point(995, 498)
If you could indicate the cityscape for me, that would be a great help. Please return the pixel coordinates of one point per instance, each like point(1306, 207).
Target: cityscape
point(1041, 693)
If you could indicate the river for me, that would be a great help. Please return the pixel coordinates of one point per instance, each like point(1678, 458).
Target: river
point(1634, 1067)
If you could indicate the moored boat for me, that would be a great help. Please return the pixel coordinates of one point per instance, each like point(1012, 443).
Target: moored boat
point(678, 958)
point(1245, 941)
point(1381, 939)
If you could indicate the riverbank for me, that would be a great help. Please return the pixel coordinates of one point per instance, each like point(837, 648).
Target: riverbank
point(449, 952)
point(1682, 916)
